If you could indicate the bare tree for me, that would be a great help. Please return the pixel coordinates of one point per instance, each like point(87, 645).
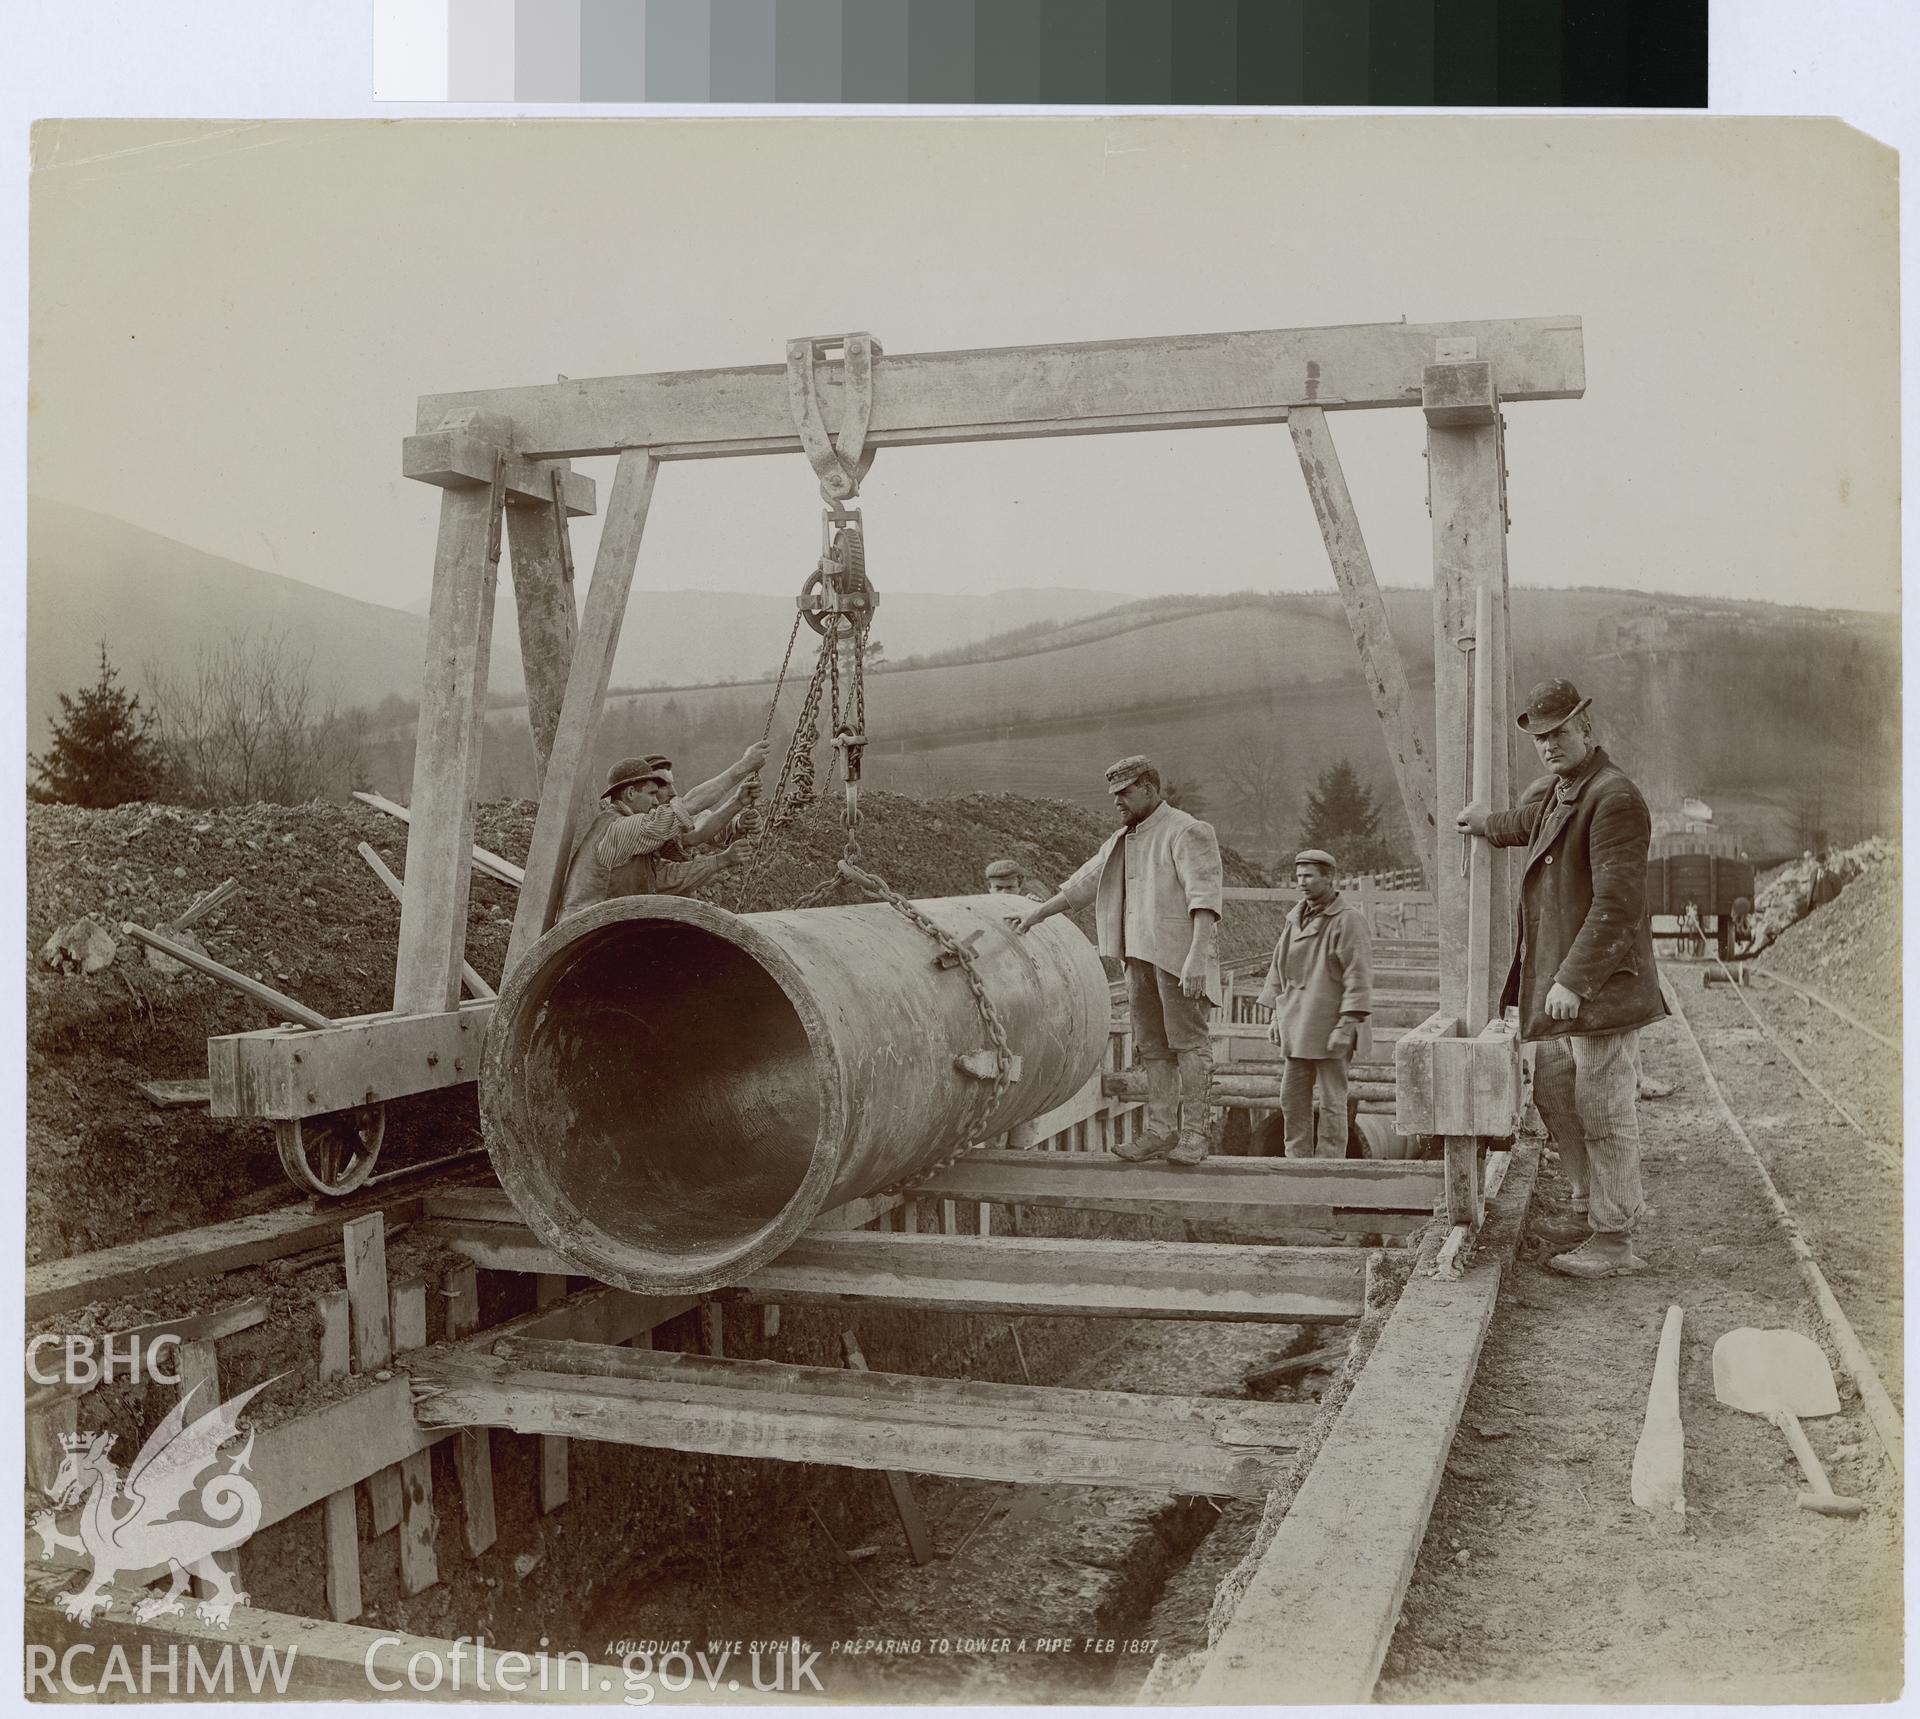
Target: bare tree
point(1253, 772)
point(243, 721)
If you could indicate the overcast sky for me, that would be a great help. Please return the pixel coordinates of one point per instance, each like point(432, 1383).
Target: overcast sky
point(231, 324)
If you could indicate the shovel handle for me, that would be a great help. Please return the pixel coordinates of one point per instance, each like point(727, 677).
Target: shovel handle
point(1822, 1499)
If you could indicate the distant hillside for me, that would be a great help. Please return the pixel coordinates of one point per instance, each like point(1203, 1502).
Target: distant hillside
point(698, 638)
point(152, 600)
point(1786, 720)
point(92, 577)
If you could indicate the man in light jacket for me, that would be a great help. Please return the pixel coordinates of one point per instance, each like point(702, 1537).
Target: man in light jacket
point(1320, 988)
point(1156, 892)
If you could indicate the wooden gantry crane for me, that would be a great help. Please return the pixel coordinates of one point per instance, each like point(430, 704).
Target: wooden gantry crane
point(502, 460)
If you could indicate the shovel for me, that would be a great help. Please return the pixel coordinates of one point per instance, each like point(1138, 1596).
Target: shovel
point(1783, 1375)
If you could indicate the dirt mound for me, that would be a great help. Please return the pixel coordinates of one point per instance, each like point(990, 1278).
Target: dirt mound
point(1849, 949)
point(104, 1166)
point(1785, 893)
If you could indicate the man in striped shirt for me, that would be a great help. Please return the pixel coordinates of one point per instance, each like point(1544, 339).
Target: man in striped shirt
point(617, 854)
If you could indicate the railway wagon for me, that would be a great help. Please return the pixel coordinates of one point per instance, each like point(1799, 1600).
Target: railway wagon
point(1702, 865)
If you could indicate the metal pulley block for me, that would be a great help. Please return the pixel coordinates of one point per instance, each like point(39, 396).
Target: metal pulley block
point(839, 463)
point(838, 590)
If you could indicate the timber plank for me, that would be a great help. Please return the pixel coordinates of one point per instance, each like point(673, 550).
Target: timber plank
point(340, 1511)
point(926, 1426)
point(899, 1486)
point(276, 1073)
point(371, 1315)
point(419, 1569)
point(549, 1288)
point(453, 696)
point(1337, 1569)
point(1031, 1275)
point(1218, 1186)
point(175, 1094)
point(298, 1462)
point(543, 601)
point(569, 774)
point(1367, 619)
point(1180, 381)
point(473, 1446)
point(217, 1248)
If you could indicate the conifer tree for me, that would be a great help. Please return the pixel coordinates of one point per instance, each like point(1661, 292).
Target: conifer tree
point(103, 752)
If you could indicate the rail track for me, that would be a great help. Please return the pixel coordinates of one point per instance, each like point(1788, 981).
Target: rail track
point(1883, 1416)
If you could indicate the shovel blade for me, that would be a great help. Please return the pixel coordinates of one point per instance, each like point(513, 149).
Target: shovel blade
point(1762, 1372)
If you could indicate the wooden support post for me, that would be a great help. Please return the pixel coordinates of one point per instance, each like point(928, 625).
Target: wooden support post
point(713, 1334)
point(199, 1367)
point(1466, 490)
point(899, 1486)
point(547, 1289)
point(568, 779)
point(1465, 1202)
point(472, 1446)
point(1367, 617)
point(446, 759)
point(419, 1569)
point(365, 1243)
point(949, 1217)
point(340, 1514)
point(543, 600)
point(1480, 856)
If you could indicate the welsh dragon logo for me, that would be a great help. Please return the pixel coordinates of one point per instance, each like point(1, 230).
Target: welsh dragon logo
point(168, 1511)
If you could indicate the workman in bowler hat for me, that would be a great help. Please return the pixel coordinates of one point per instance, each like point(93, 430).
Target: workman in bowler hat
point(1320, 988)
point(1583, 975)
point(619, 851)
point(1155, 887)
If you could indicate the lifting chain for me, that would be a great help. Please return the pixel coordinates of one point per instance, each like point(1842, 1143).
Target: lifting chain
point(962, 956)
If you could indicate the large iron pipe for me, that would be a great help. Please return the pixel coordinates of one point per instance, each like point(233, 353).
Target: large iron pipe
point(672, 1093)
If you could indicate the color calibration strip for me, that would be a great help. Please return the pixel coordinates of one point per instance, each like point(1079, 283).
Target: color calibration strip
point(1045, 53)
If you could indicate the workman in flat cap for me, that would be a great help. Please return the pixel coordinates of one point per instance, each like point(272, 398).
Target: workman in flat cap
point(1009, 877)
point(1155, 889)
point(619, 852)
point(1583, 975)
point(1320, 988)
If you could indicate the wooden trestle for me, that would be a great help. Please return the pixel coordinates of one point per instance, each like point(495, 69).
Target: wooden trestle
point(563, 1372)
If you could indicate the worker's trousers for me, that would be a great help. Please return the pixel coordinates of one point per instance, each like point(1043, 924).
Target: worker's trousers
point(1170, 1039)
point(1584, 1087)
point(1306, 1075)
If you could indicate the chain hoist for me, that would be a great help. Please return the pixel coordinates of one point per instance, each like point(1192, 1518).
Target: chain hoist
point(838, 601)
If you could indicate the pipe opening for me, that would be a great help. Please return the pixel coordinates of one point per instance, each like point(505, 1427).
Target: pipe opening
point(677, 1098)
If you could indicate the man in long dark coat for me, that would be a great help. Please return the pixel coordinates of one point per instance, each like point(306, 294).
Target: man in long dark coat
point(1583, 975)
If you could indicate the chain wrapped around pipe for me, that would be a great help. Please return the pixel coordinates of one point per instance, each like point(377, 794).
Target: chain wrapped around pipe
point(962, 955)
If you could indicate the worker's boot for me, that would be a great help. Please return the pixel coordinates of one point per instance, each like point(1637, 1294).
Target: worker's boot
point(1563, 1231)
point(1605, 1253)
point(1163, 1115)
point(1196, 1132)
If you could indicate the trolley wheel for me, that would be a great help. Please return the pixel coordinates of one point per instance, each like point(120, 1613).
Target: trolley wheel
point(332, 1154)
